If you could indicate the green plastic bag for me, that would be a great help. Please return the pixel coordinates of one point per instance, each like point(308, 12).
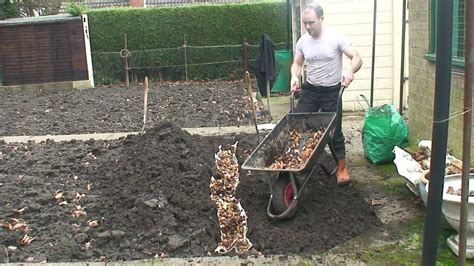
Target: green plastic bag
point(383, 129)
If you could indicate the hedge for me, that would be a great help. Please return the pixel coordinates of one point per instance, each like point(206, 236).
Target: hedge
point(150, 30)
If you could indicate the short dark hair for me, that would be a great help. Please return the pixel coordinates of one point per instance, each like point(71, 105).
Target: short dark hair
point(316, 8)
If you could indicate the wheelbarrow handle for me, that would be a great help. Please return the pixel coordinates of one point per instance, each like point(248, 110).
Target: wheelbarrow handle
point(292, 102)
point(339, 97)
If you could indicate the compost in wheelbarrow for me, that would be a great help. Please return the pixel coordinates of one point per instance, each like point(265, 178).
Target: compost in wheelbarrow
point(289, 182)
point(277, 141)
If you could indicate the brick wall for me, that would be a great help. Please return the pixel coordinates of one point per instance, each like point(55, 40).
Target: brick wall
point(422, 83)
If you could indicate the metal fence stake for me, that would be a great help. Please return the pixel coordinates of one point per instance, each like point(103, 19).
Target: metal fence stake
point(185, 60)
point(127, 81)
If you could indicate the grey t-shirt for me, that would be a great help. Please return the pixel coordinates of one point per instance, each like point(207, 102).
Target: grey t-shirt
point(323, 57)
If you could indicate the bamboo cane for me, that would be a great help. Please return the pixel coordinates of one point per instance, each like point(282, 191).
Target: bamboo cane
point(145, 104)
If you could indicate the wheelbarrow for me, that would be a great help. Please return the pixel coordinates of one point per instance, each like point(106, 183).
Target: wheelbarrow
point(286, 185)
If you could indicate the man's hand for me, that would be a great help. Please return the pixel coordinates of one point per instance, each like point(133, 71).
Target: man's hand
point(347, 78)
point(295, 86)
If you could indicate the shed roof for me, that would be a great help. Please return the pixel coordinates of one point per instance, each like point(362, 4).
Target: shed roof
point(148, 3)
point(105, 3)
point(36, 20)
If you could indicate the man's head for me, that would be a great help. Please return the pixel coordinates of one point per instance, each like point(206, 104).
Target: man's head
point(312, 19)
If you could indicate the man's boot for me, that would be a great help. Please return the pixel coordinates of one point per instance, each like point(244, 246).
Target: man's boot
point(342, 174)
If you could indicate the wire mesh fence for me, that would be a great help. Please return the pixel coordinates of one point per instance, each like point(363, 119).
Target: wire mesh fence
point(186, 62)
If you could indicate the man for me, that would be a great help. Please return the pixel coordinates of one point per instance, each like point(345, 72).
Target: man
point(322, 48)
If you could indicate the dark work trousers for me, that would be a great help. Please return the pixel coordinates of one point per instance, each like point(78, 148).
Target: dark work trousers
point(323, 99)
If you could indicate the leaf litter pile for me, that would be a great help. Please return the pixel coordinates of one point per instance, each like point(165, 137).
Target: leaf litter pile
point(295, 152)
point(148, 196)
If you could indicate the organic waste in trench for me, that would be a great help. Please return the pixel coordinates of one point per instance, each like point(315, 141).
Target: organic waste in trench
point(298, 149)
point(231, 215)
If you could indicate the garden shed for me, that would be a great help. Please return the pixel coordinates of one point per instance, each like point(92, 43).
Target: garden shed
point(45, 50)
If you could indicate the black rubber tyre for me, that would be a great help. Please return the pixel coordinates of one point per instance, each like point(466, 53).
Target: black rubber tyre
point(283, 194)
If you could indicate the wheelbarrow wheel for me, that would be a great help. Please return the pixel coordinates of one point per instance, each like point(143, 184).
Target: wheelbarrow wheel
point(283, 194)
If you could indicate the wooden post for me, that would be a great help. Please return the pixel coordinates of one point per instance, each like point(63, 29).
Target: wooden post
point(268, 101)
point(246, 55)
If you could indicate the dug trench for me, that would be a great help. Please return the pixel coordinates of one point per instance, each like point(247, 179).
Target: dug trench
point(148, 196)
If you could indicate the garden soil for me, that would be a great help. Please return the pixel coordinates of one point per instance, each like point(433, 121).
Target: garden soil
point(118, 108)
point(147, 196)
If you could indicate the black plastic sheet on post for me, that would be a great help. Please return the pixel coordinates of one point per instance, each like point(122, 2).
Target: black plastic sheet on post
point(264, 69)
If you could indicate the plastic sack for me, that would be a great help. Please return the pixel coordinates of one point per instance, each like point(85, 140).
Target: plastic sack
point(383, 129)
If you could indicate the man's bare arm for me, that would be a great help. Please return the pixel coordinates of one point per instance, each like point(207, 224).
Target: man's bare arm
point(356, 63)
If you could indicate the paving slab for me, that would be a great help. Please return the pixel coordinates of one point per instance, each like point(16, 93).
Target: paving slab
point(204, 131)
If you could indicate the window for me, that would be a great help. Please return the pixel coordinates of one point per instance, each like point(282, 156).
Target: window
point(458, 32)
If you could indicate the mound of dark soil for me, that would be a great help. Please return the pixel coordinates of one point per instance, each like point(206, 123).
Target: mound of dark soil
point(120, 109)
point(148, 195)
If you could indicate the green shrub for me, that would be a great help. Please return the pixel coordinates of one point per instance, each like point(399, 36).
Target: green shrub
point(75, 9)
point(9, 9)
point(149, 31)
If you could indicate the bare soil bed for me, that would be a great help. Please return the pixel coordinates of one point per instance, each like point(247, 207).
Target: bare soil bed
point(148, 196)
point(117, 108)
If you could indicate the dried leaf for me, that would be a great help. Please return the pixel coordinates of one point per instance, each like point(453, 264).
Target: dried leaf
point(19, 226)
point(93, 223)
point(78, 197)
point(59, 195)
point(31, 239)
point(7, 226)
point(19, 211)
point(11, 249)
point(62, 203)
point(24, 239)
point(376, 202)
point(77, 213)
point(450, 190)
